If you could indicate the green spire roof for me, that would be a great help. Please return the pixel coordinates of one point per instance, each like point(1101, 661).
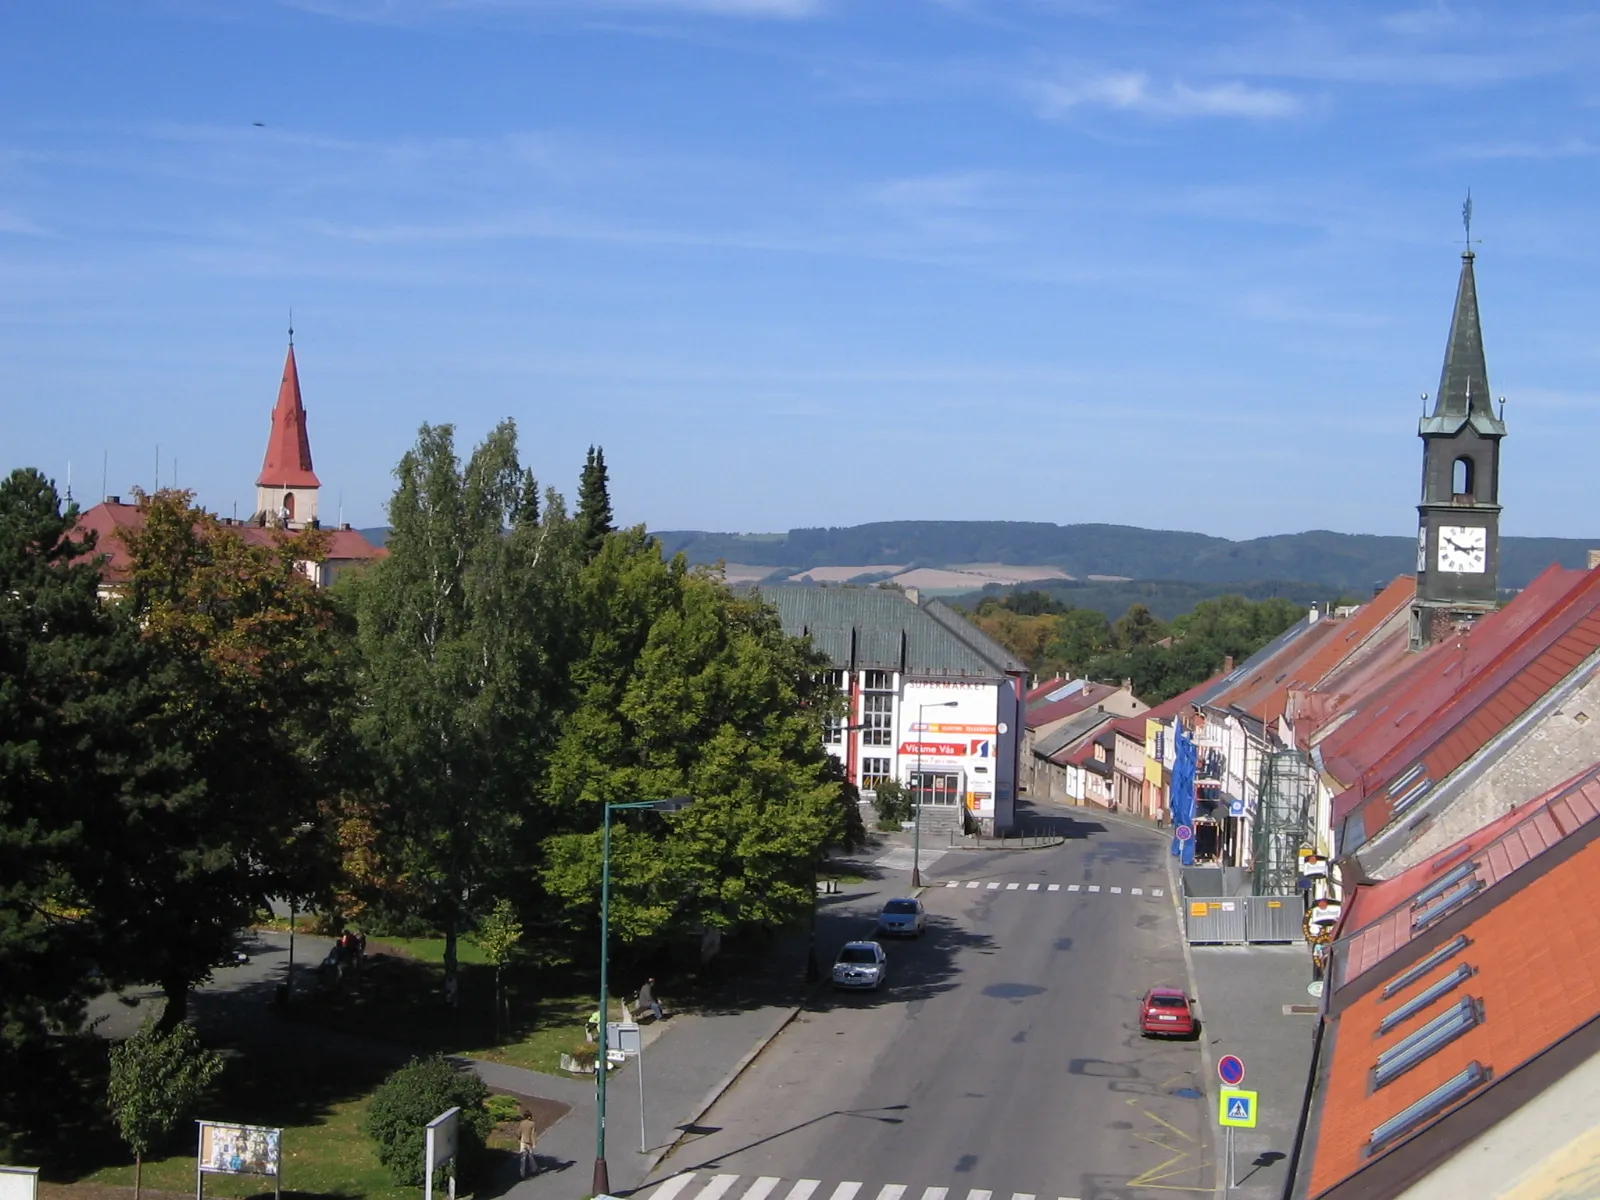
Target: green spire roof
point(1464, 383)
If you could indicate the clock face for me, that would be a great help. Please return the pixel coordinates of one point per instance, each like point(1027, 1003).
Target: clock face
point(1463, 549)
point(1422, 549)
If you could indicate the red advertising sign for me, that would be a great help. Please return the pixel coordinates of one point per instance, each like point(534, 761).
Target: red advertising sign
point(935, 749)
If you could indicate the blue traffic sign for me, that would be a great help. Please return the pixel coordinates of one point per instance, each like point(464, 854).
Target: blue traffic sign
point(1230, 1069)
point(1184, 833)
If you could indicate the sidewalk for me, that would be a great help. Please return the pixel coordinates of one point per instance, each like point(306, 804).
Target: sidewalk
point(1245, 993)
point(689, 1059)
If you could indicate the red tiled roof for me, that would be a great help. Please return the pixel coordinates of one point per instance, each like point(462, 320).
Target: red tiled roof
point(1467, 691)
point(1377, 917)
point(1263, 692)
point(288, 461)
point(1353, 636)
point(107, 521)
point(1535, 954)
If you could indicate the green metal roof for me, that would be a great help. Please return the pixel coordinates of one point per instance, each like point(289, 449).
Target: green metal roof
point(881, 629)
point(1463, 394)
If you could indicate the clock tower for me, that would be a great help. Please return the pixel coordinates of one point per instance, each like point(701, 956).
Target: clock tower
point(1458, 521)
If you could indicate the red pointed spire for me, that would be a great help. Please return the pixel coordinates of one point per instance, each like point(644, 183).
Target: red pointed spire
point(288, 461)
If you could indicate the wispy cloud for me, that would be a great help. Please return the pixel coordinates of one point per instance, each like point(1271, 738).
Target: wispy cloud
point(16, 223)
point(1134, 92)
point(413, 11)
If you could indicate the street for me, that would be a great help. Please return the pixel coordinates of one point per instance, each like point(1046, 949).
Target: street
point(1001, 1058)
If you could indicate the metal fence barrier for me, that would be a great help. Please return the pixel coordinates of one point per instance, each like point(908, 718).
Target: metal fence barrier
point(1211, 919)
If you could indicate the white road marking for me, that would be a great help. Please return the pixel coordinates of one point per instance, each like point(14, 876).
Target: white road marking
point(673, 1186)
point(803, 1189)
point(935, 1193)
point(1157, 892)
point(994, 887)
point(954, 883)
point(1011, 887)
point(973, 884)
point(975, 1194)
point(761, 1188)
point(1022, 1196)
point(715, 1189)
point(1054, 887)
point(892, 1191)
point(1072, 887)
point(1033, 887)
point(1116, 891)
point(1137, 891)
point(1094, 887)
point(845, 1191)
point(903, 858)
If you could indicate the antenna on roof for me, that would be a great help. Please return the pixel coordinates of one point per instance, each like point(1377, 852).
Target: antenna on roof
point(158, 466)
point(69, 481)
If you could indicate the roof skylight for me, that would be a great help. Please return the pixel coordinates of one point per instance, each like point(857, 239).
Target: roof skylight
point(1442, 885)
point(1406, 780)
point(1415, 972)
point(1435, 1102)
point(1424, 998)
point(1414, 1047)
point(1457, 895)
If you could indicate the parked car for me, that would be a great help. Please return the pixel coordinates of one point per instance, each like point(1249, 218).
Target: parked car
point(860, 965)
point(1165, 1012)
point(902, 918)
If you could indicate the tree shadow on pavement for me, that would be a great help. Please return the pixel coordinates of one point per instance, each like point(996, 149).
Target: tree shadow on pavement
point(919, 968)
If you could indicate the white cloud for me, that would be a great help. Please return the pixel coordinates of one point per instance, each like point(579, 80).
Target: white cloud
point(1133, 91)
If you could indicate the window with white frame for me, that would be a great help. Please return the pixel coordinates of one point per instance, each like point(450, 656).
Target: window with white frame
point(833, 728)
point(873, 772)
point(877, 719)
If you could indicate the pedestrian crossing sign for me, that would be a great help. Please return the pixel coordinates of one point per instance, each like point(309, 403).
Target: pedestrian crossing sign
point(1237, 1108)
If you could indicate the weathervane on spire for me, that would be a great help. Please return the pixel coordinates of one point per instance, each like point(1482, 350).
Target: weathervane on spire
point(291, 310)
point(1466, 221)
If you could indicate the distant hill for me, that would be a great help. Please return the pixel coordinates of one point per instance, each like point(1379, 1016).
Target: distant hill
point(1352, 562)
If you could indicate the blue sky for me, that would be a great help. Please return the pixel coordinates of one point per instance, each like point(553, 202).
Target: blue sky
point(804, 262)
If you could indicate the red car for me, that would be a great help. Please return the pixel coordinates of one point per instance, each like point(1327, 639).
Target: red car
point(1165, 1012)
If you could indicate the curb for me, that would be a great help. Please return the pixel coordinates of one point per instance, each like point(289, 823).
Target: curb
point(716, 1093)
point(1174, 889)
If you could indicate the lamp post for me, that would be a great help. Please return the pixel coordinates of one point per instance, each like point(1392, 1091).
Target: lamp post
point(601, 1185)
point(916, 820)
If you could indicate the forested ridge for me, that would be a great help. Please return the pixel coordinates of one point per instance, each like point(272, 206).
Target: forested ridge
point(1321, 557)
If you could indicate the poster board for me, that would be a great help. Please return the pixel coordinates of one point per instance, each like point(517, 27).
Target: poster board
point(441, 1141)
point(230, 1149)
point(19, 1183)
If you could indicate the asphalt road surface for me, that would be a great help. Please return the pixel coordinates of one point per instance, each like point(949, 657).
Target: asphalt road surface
point(1001, 1059)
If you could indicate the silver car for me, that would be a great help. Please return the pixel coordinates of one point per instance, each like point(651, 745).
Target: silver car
point(860, 965)
point(902, 918)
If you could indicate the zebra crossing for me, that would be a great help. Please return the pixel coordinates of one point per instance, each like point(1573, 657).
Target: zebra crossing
point(1087, 889)
point(771, 1187)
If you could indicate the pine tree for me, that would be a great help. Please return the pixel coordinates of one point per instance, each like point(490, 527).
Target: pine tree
point(594, 502)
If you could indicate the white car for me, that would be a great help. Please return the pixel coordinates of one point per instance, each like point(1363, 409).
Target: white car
point(860, 965)
point(902, 918)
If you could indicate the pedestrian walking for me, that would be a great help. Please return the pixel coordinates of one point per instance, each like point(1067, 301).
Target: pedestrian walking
point(527, 1142)
point(647, 999)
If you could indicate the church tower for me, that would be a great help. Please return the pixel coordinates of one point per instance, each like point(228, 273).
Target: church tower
point(1458, 526)
point(286, 489)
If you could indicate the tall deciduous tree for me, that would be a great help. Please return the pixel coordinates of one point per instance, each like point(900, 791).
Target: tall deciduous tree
point(460, 631)
point(240, 727)
point(594, 502)
point(687, 689)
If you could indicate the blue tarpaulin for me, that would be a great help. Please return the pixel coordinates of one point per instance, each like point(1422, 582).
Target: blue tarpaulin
point(1180, 795)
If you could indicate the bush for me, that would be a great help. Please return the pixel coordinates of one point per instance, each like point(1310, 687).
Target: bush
point(502, 1108)
point(892, 801)
point(410, 1098)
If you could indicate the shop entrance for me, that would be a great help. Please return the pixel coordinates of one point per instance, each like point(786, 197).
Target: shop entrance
point(936, 787)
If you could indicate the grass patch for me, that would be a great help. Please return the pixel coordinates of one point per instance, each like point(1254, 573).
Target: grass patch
point(554, 1027)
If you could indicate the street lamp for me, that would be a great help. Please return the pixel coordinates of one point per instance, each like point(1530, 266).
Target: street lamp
point(602, 1177)
point(916, 827)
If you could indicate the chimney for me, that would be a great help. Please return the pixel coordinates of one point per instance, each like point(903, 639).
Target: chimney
point(117, 500)
point(913, 595)
point(1315, 614)
point(1227, 663)
point(1594, 559)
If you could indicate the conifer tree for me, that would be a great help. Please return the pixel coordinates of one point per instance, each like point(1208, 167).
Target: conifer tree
point(594, 502)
